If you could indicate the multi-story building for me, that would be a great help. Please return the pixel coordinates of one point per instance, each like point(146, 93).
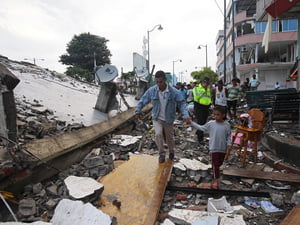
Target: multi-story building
point(245, 55)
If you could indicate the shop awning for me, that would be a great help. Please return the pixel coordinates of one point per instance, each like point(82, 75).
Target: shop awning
point(278, 7)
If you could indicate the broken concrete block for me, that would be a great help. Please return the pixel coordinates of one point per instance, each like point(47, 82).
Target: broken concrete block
point(20, 223)
point(219, 205)
point(77, 213)
point(52, 189)
point(27, 207)
point(81, 187)
point(207, 220)
point(167, 222)
point(93, 162)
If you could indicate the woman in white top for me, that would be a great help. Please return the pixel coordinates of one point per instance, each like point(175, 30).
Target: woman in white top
point(219, 95)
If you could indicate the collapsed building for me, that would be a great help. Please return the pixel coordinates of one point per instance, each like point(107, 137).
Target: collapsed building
point(8, 115)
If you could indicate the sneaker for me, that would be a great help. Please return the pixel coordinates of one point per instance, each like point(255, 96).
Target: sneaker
point(161, 159)
point(171, 156)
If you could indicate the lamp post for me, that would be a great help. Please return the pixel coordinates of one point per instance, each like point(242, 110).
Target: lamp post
point(159, 27)
point(178, 60)
point(34, 60)
point(205, 46)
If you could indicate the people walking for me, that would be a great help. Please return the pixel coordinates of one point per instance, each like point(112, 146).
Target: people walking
point(202, 102)
point(234, 92)
point(219, 141)
point(219, 95)
point(164, 99)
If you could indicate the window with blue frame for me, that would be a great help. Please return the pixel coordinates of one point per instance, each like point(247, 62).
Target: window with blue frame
point(277, 26)
point(260, 27)
point(289, 25)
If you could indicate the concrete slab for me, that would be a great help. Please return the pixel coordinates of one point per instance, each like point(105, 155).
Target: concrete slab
point(77, 213)
point(133, 192)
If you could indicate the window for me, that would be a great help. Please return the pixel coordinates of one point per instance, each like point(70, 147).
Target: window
point(260, 27)
point(277, 26)
point(289, 25)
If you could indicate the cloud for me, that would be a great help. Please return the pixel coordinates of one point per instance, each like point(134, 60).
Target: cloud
point(42, 28)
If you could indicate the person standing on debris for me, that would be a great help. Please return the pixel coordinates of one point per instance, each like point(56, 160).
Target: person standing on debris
point(202, 102)
point(234, 92)
point(164, 99)
point(254, 83)
point(219, 96)
point(219, 140)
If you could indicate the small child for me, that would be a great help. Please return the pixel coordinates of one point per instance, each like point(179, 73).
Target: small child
point(219, 141)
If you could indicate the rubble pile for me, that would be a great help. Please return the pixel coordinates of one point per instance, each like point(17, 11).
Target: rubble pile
point(34, 121)
point(40, 200)
point(191, 169)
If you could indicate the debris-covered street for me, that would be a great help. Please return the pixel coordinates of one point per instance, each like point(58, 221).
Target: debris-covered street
point(257, 194)
point(191, 169)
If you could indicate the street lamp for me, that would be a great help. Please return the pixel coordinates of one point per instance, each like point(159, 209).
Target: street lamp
point(34, 60)
point(205, 46)
point(178, 60)
point(159, 27)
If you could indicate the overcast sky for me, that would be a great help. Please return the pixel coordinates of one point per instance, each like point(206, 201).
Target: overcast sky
point(41, 29)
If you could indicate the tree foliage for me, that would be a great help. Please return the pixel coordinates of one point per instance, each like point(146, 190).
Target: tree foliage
point(205, 72)
point(81, 51)
point(129, 76)
point(80, 74)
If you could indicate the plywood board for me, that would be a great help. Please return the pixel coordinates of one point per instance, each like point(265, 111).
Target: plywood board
point(139, 185)
point(288, 177)
point(293, 217)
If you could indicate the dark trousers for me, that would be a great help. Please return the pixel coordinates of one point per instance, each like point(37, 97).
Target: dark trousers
point(201, 114)
point(217, 159)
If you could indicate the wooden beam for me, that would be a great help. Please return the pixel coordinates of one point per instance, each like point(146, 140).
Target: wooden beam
point(288, 177)
point(52, 147)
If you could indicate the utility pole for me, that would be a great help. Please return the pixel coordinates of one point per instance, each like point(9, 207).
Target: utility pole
point(224, 42)
point(233, 40)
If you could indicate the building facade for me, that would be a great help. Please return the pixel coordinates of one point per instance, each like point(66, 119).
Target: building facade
point(245, 54)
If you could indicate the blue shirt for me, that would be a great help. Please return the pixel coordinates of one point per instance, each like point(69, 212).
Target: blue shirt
point(174, 98)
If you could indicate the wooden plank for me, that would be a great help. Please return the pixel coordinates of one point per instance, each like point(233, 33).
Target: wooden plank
point(293, 217)
point(288, 177)
point(139, 184)
point(52, 147)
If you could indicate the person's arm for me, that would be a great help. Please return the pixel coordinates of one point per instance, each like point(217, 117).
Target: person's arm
point(200, 127)
point(213, 95)
point(183, 107)
point(142, 102)
point(226, 92)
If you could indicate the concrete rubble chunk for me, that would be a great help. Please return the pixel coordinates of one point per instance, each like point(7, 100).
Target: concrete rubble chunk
point(77, 213)
point(207, 220)
point(52, 189)
point(81, 187)
point(125, 140)
point(93, 162)
point(168, 222)
point(27, 207)
point(20, 223)
point(193, 215)
point(194, 164)
point(219, 205)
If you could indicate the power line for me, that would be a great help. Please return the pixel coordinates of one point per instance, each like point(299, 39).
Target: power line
point(219, 7)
